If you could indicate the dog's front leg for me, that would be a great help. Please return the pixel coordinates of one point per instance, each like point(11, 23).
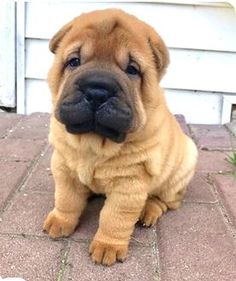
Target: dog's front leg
point(70, 200)
point(117, 220)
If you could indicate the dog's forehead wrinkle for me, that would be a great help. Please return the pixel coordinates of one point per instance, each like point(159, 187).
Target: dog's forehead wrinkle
point(109, 40)
point(105, 26)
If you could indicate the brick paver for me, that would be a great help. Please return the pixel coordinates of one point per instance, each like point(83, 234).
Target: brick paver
point(20, 150)
point(195, 242)
point(35, 126)
point(200, 190)
point(41, 179)
point(214, 161)
point(141, 265)
point(13, 174)
point(226, 185)
point(213, 137)
point(26, 213)
point(31, 258)
point(8, 122)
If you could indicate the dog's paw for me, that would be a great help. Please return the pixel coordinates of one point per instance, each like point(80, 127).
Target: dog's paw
point(107, 254)
point(59, 225)
point(149, 218)
point(152, 211)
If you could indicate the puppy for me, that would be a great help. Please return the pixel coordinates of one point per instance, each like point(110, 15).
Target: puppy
point(111, 130)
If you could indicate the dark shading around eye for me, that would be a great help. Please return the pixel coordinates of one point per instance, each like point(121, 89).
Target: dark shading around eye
point(132, 70)
point(74, 62)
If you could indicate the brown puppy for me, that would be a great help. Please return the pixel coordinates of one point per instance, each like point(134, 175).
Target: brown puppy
point(112, 131)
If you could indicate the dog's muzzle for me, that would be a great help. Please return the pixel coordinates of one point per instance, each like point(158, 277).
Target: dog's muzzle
point(97, 104)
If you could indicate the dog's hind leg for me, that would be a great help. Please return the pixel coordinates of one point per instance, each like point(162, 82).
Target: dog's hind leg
point(152, 210)
point(169, 195)
point(156, 206)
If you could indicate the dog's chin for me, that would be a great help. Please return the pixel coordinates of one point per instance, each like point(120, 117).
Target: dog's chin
point(111, 134)
point(110, 120)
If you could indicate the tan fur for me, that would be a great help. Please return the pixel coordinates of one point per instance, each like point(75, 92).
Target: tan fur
point(141, 177)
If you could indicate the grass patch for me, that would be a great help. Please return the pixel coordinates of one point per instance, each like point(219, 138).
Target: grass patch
point(232, 159)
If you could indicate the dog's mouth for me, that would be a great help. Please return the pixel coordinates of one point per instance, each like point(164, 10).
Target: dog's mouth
point(96, 102)
point(111, 118)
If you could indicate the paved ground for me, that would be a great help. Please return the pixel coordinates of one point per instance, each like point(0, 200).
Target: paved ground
point(196, 242)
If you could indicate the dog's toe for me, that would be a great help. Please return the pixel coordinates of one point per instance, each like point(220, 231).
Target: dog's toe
point(107, 254)
point(58, 226)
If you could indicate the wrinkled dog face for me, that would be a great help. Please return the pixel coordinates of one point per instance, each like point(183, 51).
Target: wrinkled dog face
point(96, 103)
point(103, 70)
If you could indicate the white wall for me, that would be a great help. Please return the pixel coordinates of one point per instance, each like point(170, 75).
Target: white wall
point(7, 54)
point(201, 39)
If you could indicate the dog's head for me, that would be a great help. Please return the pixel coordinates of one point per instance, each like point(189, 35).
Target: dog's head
point(105, 62)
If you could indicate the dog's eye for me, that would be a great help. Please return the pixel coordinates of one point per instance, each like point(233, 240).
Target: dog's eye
point(74, 62)
point(132, 70)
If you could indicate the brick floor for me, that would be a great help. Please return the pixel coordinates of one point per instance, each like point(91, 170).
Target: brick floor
point(195, 242)
point(226, 185)
point(13, 174)
point(141, 265)
point(35, 126)
point(214, 162)
point(8, 122)
point(213, 137)
point(31, 258)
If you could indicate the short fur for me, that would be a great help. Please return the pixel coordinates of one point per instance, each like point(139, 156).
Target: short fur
point(142, 176)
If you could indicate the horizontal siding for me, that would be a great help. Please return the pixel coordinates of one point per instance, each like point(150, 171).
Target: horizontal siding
point(201, 70)
point(38, 58)
point(38, 97)
point(201, 39)
point(181, 26)
point(197, 107)
point(179, 101)
point(189, 69)
point(215, 3)
point(7, 54)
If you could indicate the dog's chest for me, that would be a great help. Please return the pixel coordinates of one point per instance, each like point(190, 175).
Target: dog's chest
point(100, 174)
point(88, 165)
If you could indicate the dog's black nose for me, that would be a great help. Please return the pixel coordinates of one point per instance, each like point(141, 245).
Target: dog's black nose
point(98, 87)
point(96, 96)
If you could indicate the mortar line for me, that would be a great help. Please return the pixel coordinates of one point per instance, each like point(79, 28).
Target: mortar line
point(12, 128)
point(63, 262)
point(216, 149)
point(44, 238)
point(20, 185)
point(155, 250)
point(225, 214)
point(201, 202)
point(191, 133)
point(34, 165)
point(10, 159)
point(194, 137)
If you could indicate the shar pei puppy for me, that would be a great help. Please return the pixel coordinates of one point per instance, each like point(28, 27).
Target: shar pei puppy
point(112, 131)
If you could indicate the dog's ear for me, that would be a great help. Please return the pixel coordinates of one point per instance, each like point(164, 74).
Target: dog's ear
point(56, 39)
point(160, 53)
